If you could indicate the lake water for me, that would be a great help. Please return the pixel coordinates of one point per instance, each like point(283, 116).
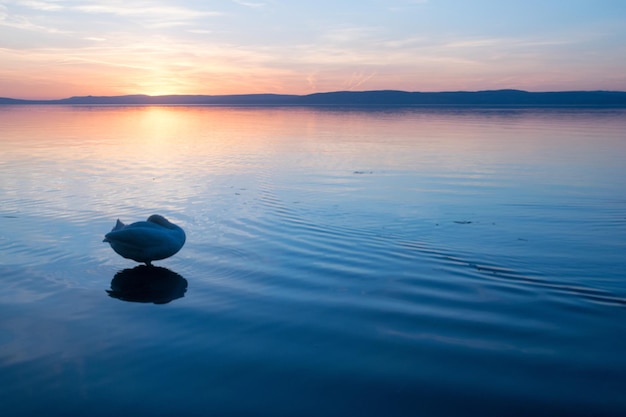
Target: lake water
point(338, 262)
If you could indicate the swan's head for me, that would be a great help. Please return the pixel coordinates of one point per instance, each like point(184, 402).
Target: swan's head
point(161, 221)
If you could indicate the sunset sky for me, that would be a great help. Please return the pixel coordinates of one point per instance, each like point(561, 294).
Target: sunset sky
point(61, 48)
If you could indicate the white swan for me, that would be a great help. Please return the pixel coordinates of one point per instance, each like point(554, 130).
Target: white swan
point(156, 238)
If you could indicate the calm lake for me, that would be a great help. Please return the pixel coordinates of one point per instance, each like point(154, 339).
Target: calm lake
point(407, 262)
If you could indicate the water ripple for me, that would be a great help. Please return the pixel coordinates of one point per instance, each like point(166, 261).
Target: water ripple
point(389, 262)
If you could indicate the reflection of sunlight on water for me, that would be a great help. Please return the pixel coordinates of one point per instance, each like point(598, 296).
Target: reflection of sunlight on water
point(66, 171)
point(148, 284)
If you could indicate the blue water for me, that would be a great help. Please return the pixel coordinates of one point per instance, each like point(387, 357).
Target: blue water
point(338, 262)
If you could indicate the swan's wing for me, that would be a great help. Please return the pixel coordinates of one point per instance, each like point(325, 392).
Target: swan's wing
point(140, 237)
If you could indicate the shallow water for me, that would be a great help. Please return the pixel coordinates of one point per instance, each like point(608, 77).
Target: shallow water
point(338, 262)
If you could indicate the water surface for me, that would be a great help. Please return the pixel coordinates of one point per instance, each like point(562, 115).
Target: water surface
point(338, 262)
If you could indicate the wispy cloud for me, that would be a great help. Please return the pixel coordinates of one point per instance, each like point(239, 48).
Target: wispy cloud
point(68, 14)
point(404, 42)
point(200, 31)
point(349, 34)
point(357, 79)
point(24, 23)
point(311, 80)
point(40, 5)
point(252, 4)
point(145, 10)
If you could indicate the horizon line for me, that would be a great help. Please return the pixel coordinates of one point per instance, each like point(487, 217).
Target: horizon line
point(310, 94)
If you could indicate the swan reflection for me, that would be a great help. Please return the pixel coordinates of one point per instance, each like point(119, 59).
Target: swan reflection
point(148, 284)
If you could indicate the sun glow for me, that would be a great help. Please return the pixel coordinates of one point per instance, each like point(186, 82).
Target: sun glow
point(160, 80)
point(159, 89)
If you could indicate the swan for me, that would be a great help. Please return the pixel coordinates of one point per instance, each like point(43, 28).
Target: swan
point(156, 238)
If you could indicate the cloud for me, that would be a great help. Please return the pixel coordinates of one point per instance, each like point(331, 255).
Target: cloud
point(405, 42)
point(73, 14)
point(40, 5)
point(311, 80)
point(357, 79)
point(254, 5)
point(349, 34)
point(24, 23)
point(200, 31)
point(145, 10)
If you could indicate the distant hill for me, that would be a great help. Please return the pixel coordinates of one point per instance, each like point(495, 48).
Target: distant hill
point(4, 100)
point(382, 98)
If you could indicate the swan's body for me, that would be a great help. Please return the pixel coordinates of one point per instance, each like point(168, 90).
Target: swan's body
point(156, 238)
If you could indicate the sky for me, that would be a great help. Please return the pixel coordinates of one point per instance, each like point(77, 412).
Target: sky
point(61, 48)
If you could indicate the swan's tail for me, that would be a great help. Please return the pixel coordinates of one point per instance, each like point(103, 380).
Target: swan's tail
point(118, 226)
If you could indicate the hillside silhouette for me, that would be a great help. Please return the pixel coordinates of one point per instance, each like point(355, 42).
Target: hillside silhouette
point(381, 98)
